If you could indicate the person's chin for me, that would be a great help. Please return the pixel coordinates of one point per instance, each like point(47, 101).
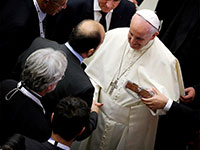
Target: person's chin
point(136, 47)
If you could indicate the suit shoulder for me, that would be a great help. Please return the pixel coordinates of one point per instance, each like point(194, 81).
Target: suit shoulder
point(126, 4)
point(43, 40)
point(40, 42)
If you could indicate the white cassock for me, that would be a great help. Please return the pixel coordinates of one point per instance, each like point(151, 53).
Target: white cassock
point(124, 122)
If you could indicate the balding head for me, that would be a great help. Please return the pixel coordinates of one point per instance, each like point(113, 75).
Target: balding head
point(88, 34)
point(89, 26)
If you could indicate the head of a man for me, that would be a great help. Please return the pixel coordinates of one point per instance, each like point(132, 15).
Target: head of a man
point(52, 7)
point(86, 37)
point(108, 5)
point(143, 28)
point(70, 118)
point(43, 69)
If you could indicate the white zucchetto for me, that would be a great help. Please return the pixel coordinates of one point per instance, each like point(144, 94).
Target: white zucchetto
point(150, 16)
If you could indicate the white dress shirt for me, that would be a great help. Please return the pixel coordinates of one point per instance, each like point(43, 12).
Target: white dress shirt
point(41, 17)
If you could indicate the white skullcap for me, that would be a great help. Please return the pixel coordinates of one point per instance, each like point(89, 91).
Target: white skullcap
point(149, 16)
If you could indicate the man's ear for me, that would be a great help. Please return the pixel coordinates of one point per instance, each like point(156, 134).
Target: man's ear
point(88, 53)
point(50, 87)
point(52, 116)
point(91, 51)
point(78, 134)
point(81, 131)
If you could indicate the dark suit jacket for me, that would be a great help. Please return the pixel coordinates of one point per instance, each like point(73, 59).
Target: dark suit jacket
point(180, 32)
point(186, 113)
point(179, 122)
point(21, 115)
point(19, 26)
point(75, 82)
point(78, 10)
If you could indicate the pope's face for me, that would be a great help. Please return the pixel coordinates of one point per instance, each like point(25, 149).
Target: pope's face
point(108, 5)
point(139, 34)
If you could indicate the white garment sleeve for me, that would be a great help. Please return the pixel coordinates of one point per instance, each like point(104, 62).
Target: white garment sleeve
point(96, 91)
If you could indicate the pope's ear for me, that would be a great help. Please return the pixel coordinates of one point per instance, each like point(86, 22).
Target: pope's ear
point(156, 34)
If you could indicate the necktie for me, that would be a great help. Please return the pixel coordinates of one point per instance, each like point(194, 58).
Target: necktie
point(103, 20)
point(83, 65)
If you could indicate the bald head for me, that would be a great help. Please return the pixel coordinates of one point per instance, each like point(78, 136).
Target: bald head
point(88, 34)
point(89, 26)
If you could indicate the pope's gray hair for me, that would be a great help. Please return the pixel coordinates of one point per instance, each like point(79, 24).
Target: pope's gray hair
point(43, 68)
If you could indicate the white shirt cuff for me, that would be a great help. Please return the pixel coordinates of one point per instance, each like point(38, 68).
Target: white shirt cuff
point(168, 105)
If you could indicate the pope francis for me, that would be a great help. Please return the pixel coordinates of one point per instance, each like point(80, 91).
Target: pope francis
point(135, 54)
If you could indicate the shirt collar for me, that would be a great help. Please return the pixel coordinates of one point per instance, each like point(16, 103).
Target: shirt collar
point(96, 6)
point(62, 146)
point(41, 14)
point(74, 52)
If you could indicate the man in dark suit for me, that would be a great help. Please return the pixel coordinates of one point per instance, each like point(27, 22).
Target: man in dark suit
point(184, 115)
point(20, 23)
point(180, 32)
point(68, 122)
point(21, 108)
point(118, 14)
point(84, 41)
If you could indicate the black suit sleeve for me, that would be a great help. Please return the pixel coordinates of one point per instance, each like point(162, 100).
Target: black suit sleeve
point(197, 89)
point(90, 127)
point(186, 115)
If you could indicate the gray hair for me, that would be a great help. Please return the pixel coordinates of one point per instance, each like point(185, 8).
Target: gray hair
point(43, 68)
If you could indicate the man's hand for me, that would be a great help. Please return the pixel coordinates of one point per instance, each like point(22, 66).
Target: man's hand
point(95, 106)
point(189, 95)
point(158, 101)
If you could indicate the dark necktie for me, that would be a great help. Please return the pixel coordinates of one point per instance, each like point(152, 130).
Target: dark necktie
point(83, 65)
point(103, 20)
